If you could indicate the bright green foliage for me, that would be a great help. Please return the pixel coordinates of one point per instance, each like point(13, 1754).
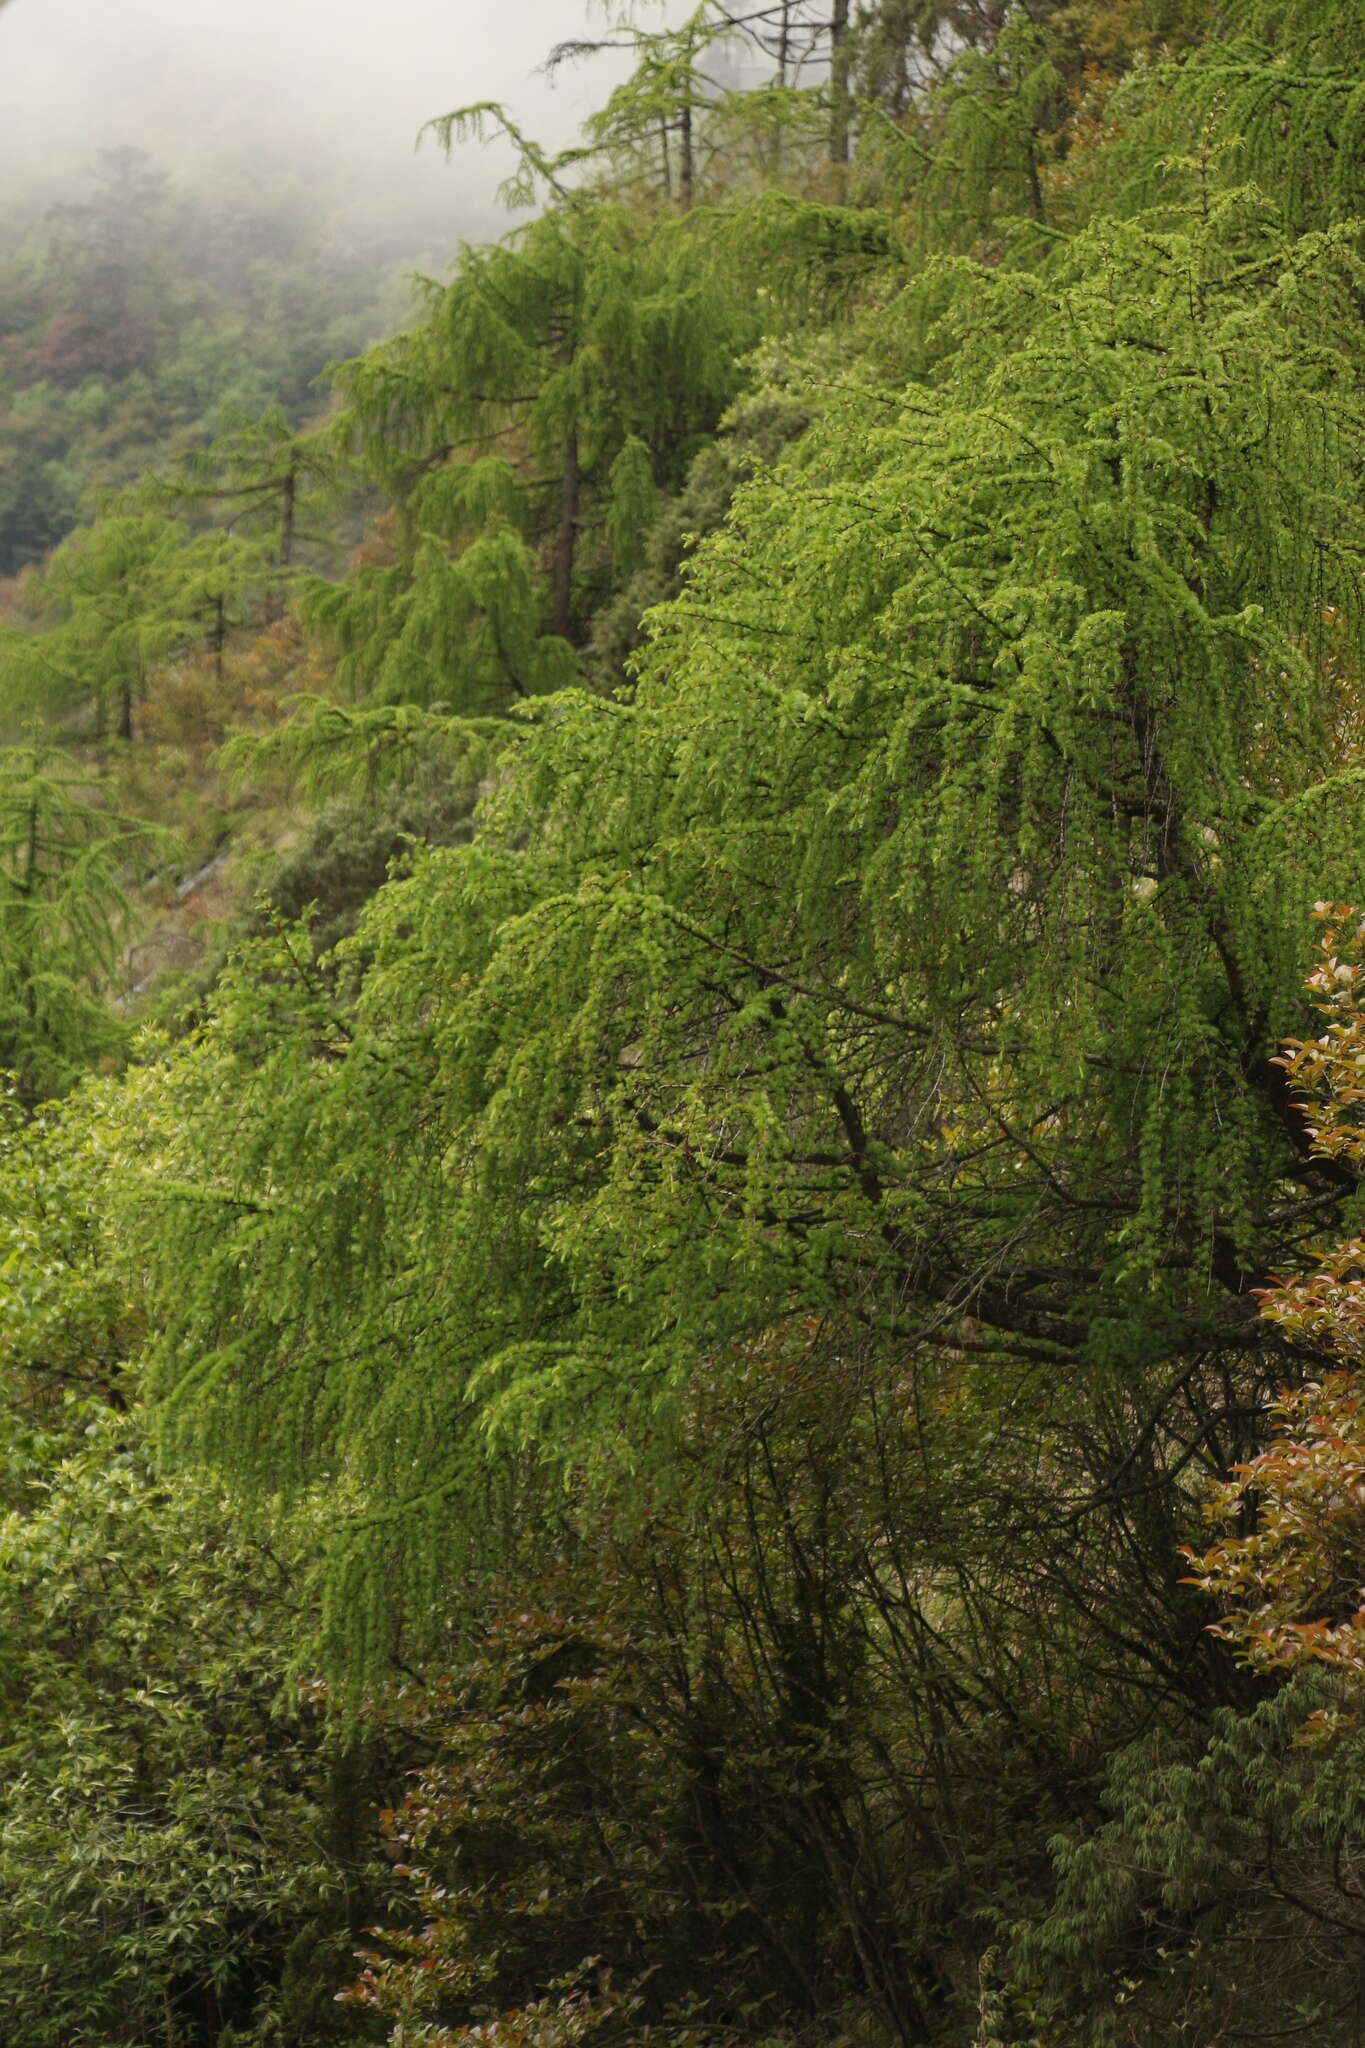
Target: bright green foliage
point(109, 588)
point(66, 866)
point(175, 1819)
point(1279, 99)
point(543, 357)
point(798, 1171)
point(68, 1324)
point(120, 596)
point(918, 937)
point(634, 504)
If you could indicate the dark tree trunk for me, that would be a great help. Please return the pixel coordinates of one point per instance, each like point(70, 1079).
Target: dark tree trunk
point(288, 503)
point(1037, 207)
point(565, 539)
point(839, 65)
point(686, 168)
point(784, 54)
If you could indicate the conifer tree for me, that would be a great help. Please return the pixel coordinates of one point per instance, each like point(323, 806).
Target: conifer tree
point(922, 951)
point(65, 868)
point(217, 575)
point(1275, 98)
point(649, 128)
point(996, 109)
point(111, 589)
point(120, 596)
point(260, 478)
point(551, 395)
point(679, 125)
point(496, 424)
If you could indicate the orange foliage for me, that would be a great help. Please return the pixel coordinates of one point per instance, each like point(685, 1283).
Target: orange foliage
point(1295, 1585)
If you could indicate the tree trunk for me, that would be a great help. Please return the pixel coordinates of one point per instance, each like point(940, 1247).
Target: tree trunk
point(784, 57)
point(1037, 206)
point(565, 539)
point(288, 504)
point(686, 166)
point(125, 711)
point(839, 65)
point(289, 497)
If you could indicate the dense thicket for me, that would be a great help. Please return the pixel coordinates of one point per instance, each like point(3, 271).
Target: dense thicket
point(728, 1290)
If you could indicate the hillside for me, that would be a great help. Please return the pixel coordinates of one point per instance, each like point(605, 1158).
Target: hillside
point(679, 1304)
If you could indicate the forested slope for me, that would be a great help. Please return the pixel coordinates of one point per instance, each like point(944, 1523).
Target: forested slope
point(140, 314)
point(726, 1409)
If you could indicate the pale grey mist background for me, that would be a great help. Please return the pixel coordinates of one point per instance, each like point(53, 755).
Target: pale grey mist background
point(334, 90)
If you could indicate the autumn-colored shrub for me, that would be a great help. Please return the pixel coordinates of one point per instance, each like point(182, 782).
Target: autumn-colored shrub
point(1291, 1571)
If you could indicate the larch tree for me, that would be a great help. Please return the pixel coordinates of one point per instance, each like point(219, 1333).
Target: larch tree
point(686, 125)
point(649, 130)
point(67, 867)
point(120, 597)
point(913, 945)
point(260, 478)
point(111, 590)
point(497, 425)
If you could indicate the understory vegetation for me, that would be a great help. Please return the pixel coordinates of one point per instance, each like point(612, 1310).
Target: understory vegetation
point(683, 982)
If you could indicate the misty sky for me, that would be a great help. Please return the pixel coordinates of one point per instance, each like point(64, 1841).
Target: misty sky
point(339, 86)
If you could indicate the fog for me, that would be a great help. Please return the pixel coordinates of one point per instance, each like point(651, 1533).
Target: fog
point(333, 91)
